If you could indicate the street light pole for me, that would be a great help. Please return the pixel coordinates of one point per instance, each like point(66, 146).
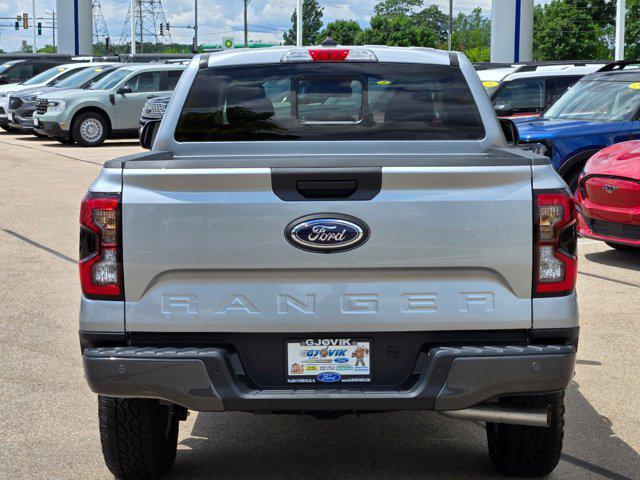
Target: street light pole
point(621, 12)
point(450, 24)
point(33, 27)
point(299, 24)
point(195, 29)
point(133, 27)
point(246, 25)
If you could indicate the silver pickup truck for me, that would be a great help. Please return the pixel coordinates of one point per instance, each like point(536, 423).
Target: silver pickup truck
point(329, 230)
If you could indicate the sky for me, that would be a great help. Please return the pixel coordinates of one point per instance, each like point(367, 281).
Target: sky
point(267, 18)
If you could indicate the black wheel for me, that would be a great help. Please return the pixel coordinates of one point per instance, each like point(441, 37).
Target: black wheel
point(89, 129)
point(139, 436)
point(622, 247)
point(523, 451)
point(571, 177)
point(64, 141)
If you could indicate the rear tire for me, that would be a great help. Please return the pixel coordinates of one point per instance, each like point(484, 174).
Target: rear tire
point(523, 451)
point(623, 248)
point(571, 177)
point(139, 436)
point(89, 129)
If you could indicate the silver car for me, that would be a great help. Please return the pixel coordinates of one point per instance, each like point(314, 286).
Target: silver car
point(109, 108)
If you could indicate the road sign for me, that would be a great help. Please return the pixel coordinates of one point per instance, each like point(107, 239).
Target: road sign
point(227, 43)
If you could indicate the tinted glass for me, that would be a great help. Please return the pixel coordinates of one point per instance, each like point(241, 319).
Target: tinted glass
point(7, 65)
point(600, 101)
point(336, 101)
point(20, 71)
point(556, 86)
point(523, 95)
point(145, 82)
point(111, 80)
point(79, 78)
point(65, 75)
point(45, 76)
point(172, 80)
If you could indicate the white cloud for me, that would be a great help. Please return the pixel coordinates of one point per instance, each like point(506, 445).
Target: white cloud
point(267, 18)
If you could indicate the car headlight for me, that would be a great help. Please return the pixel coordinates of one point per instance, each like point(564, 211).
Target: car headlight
point(55, 105)
point(539, 148)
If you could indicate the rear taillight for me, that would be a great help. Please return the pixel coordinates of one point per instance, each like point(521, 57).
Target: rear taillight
point(329, 55)
point(101, 247)
point(555, 244)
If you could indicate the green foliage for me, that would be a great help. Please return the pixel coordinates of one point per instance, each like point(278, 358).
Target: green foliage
point(397, 30)
point(632, 37)
point(396, 7)
point(471, 31)
point(342, 31)
point(478, 54)
point(47, 49)
point(433, 18)
point(311, 23)
point(563, 31)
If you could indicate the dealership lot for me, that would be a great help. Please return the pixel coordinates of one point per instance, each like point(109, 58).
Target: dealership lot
point(49, 421)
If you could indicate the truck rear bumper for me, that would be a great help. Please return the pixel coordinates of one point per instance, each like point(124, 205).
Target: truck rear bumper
point(209, 379)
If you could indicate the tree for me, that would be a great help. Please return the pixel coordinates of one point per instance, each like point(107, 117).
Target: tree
point(561, 31)
point(632, 35)
point(434, 19)
point(397, 30)
point(47, 49)
point(312, 23)
point(396, 7)
point(471, 31)
point(342, 31)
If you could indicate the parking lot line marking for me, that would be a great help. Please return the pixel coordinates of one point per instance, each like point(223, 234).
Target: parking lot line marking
point(621, 282)
point(594, 468)
point(52, 153)
point(39, 245)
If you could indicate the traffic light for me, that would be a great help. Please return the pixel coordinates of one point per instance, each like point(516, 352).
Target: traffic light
point(17, 24)
point(167, 24)
point(39, 28)
point(25, 20)
point(107, 43)
point(162, 29)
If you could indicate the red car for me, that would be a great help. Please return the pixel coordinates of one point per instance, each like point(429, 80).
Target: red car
point(608, 196)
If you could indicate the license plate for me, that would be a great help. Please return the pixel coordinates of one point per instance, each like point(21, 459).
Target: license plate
point(36, 122)
point(328, 360)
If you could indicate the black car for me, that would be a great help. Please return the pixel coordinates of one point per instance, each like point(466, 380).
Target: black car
point(18, 71)
point(22, 104)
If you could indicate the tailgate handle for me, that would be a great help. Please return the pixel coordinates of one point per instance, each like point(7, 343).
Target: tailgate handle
point(327, 188)
point(326, 184)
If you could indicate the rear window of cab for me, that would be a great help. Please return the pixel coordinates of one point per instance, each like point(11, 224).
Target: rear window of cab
point(329, 101)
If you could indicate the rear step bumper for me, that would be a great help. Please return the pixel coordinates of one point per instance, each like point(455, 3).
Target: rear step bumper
point(204, 380)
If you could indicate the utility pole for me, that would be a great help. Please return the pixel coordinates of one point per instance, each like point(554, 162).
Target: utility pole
point(299, 24)
point(450, 23)
point(133, 27)
point(195, 28)
point(141, 33)
point(621, 12)
point(33, 27)
point(246, 28)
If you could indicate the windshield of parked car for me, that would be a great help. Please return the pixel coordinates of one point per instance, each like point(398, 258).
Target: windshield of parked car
point(336, 101)
point(78, 79)
point(597, 101)
point(110, 80)
point(7, 66)
point(45, 76)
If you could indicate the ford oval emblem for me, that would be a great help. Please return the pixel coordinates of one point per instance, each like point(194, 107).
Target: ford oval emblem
point(327, 233)
point(329, 377)
point(340, 360)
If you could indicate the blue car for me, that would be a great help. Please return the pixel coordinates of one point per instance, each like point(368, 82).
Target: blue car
point(601, 109)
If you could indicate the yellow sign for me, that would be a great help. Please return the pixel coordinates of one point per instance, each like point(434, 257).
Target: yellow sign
point(635, 86)
point(490, 84)
point(61, 69)
point(98, 70)
point(383, 82)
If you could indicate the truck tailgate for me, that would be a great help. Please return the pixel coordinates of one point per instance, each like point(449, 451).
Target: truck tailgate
point(450, 248)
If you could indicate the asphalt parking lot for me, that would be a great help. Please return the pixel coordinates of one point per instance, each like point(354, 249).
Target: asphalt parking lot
point(49, 427)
